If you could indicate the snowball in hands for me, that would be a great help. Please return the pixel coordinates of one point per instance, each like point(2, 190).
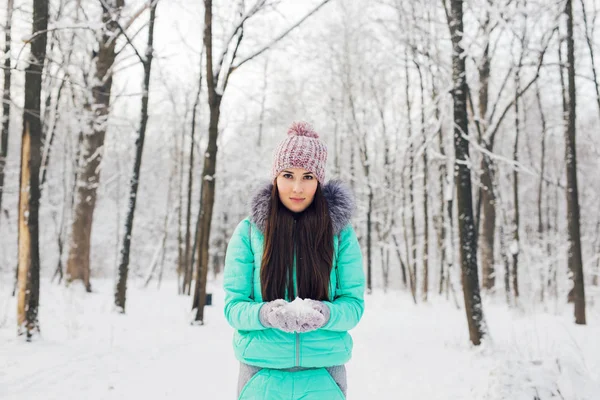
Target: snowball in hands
point(300, 315)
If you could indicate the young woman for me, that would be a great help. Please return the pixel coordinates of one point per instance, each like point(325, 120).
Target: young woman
point(294, 279)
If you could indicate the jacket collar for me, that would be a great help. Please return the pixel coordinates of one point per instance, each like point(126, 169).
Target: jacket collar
point(339, 200)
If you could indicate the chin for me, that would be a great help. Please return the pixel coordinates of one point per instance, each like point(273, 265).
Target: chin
point(297, 209)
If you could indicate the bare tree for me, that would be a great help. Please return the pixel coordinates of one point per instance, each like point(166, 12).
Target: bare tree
point(486, 192)
point(366, 164)
point(51, 114)
point(385, 224)
point(88, 175)
point(6, 97)
point(407, 251)
point(488, 123)
point(574, 237)
point(365, 160)
point(596, 278)
point(29, 194)
point(466, 225)
point(540, 194)
point(515, 245)
point(146, 61)
point(263, 100)
point(589, 38)
point(440, 219)
point(424, 145)
point(181, 262)
point(411, 181)
point(187, 282)
point(68, 198)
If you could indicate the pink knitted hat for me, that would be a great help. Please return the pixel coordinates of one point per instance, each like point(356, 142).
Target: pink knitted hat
point(301, 149)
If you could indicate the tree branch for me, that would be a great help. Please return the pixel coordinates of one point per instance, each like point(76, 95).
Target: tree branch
point(519, 94)
point(240, 25)
point(278, 38)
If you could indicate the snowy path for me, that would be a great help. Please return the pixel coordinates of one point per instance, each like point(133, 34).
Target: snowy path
point(401, 351)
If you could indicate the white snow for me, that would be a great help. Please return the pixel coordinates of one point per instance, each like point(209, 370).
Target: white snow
point(301, 308)
point(401, 351)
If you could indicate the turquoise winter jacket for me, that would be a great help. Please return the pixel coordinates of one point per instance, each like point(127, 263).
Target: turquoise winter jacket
point(270, 347)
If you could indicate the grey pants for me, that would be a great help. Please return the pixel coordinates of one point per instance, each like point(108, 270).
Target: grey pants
point(337, 372)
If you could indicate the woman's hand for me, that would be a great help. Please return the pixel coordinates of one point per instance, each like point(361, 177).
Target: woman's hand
point(269, 314)
point(299, 316)
point(322, 309)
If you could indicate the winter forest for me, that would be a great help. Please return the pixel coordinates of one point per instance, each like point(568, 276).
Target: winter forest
point(134, 133)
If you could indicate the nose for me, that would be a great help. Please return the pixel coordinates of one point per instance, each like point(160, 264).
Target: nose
point(297, 188)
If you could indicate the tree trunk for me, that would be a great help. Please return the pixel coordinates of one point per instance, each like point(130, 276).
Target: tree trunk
point(366, 165)
point(172, 181)
point(589, 36)
point(169, 212)
point(411, 280)
point(188, 219)
point(540, 228)
point(66, 206)
point(399, 255)
point(6, 97)
point(162, 247)
point(369, 237)
point(514, 248)
point(552, 232)
point(336, 143)
point(121, 287)
point(206, 206)
point(411, 190)
point(450, 183)
point(219, 263)
point(425, 193)
point(441, 219)
point(52, 132)
point(29, 194)
point(505, 260)
point(88, 175)
point(488, 218)
point(263, 100)
point(589, 39)
point(413, 224)
point(385, 267)
point(574, 238)
point(208, 171)
point(596, 277)
point(488, 224)
point(468, 247)
point(181, 264)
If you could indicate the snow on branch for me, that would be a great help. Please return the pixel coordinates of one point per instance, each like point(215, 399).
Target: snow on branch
point(278, 38)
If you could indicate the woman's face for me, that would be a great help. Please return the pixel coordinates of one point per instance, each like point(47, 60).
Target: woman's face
point(296, 187)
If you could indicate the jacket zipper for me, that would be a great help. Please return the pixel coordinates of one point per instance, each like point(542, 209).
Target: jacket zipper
point(297, 349)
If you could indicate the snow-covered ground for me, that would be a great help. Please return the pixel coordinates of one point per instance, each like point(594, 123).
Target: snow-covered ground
point(402, 351)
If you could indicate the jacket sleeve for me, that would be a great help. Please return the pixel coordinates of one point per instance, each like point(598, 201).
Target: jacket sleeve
point(241, 311)
point(348, 306)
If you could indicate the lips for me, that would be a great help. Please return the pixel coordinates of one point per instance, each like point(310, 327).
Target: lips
point(297, 200)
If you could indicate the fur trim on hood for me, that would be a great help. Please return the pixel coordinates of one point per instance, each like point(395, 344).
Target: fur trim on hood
point(339, 200)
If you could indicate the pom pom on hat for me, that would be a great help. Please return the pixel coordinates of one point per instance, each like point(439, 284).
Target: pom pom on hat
point(302, 129)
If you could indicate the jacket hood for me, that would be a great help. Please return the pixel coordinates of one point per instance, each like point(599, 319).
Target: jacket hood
point(338, 196)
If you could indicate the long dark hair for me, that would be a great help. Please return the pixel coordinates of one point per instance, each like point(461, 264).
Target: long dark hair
point(309, 236)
